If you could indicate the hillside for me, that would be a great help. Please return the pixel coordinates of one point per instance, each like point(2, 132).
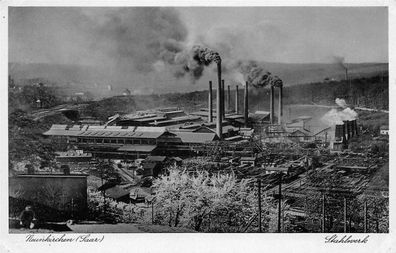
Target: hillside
point(96, 80)
point(368, 92)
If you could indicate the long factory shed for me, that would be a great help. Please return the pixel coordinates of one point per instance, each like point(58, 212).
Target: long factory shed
point(127, 141)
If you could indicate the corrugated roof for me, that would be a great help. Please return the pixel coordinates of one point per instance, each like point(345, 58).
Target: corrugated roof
point(149, 119)
point(137, 148)
point(107, 131)
point(190, 137)
point(176, 119)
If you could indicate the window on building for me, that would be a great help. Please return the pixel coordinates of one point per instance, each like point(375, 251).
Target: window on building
point(144, 141)
point(128, 141)
point(106, 141)
point(120, 141)
point(113, 141)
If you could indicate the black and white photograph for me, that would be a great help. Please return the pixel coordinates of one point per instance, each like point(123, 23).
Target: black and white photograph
point(197, 119)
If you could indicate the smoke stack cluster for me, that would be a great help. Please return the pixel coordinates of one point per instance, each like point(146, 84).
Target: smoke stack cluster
point(339, 132)
point(346, 131)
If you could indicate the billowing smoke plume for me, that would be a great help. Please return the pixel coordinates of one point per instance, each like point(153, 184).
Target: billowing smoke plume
point(254, 73)
point(341, 102)
point(337, 116)
point(150, 38)
point(194, 60)
point(276, 82)
point(248, 71)
point(123, 42)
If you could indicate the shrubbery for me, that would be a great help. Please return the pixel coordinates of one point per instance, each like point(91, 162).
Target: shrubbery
point(216, 203)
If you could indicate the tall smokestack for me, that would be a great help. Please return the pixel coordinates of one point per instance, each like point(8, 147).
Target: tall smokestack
point(236, 100)
point(272, 105)
point(219, 128)
point(228, 99)
point(222, 100)
point(210, 109)
point(280, 107)
point(246, 104)
point(346, 130)
point(346, 74)
point(344, 133)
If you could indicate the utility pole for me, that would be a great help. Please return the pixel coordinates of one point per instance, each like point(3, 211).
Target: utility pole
point(280, 203)
point(152, 212)
point(259, 204)
point(323, 214)
point(365, 216)
point(345, 215)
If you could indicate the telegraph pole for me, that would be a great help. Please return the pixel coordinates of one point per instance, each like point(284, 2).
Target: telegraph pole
point(280, 203)
point(365, 216)
point(259, 204)
point(323, 213)
point(152, 212)
point(345, 215)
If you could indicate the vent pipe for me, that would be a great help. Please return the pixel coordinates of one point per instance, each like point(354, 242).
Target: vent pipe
point(246, 104)
point(228, 99)
point(280, 107)
point(219, 128)
point(346, 130)
point(210, 109)
point(222, 100)
point(236, 100)
point(272, 105)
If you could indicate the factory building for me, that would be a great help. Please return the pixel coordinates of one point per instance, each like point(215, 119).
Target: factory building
point(130, 142)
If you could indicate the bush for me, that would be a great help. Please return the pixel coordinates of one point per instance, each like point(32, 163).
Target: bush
point(217, 203)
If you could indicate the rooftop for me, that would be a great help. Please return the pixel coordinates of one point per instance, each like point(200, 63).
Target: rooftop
point(42, 175)
point(137, 148)
point(189, 137)
point(106, 131)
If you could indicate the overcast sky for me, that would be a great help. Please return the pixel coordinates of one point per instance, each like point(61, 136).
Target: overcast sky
point(139, 47)
point(284, 34)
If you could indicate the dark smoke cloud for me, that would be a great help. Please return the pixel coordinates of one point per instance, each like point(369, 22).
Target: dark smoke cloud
point(276, 82)
point(195, 60)
point(252, 72)
point(143, 36)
